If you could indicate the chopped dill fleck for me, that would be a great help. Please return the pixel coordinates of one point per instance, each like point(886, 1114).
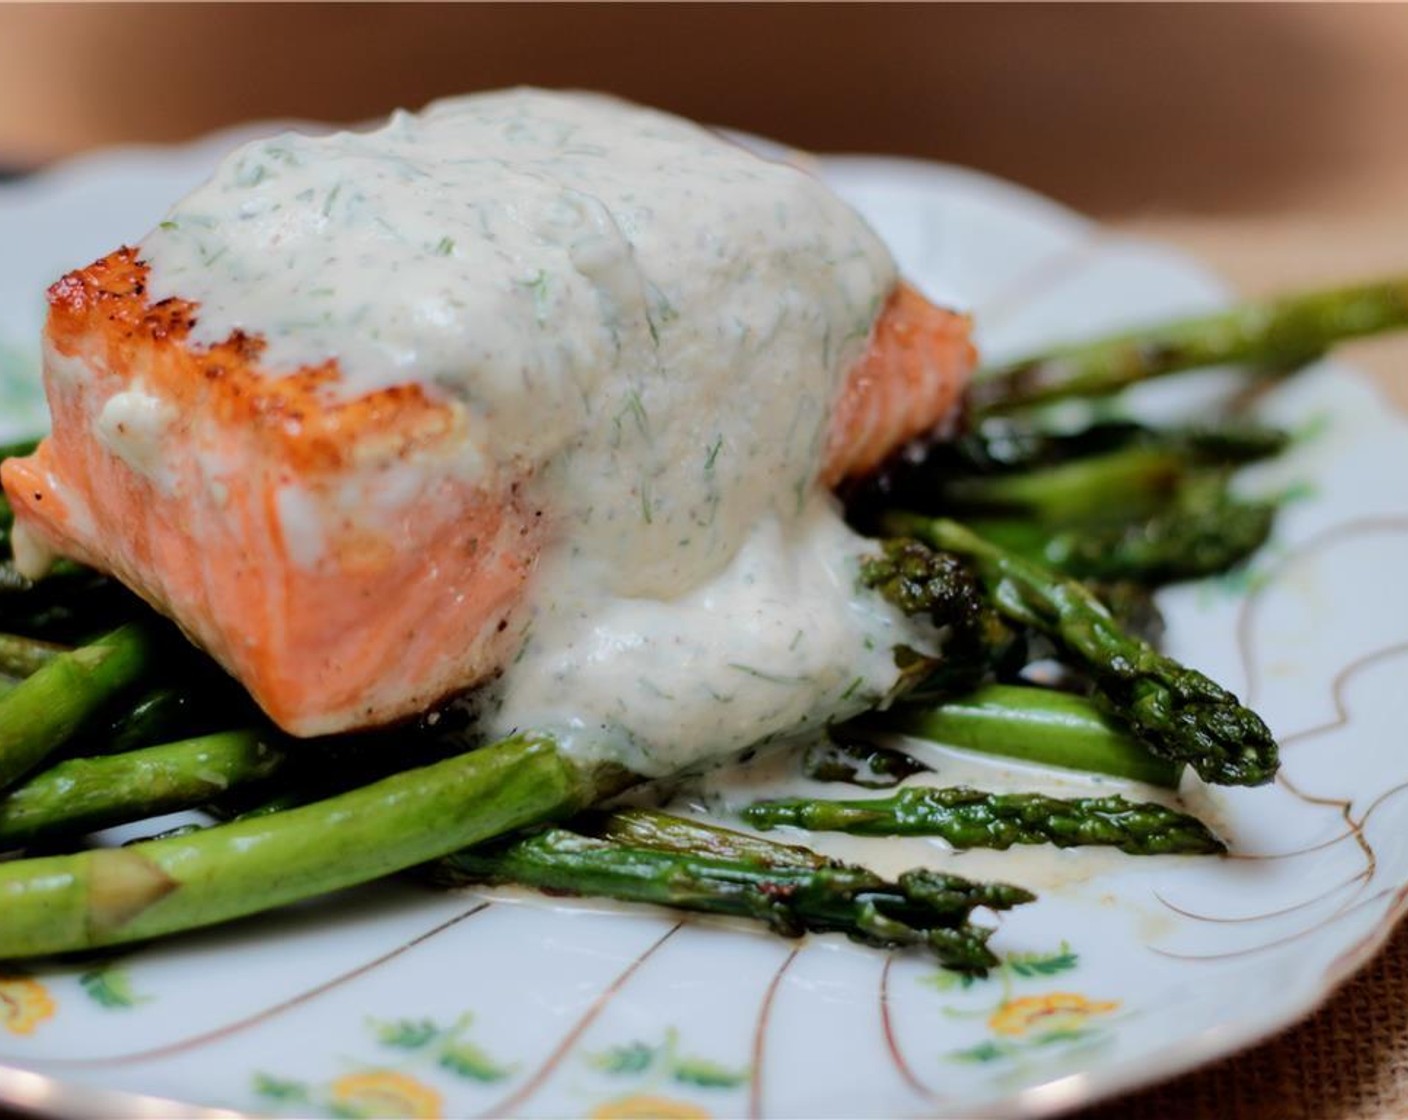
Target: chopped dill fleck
point(445, 246)
point(170, 225)
point(636, 408)
point(713, 453)
point(251, 177)
point(654, 689)
point(538, 285)
point(331, 198)
point(796, 639)
point(664, 310)
point(762, 675)
point(852, 687)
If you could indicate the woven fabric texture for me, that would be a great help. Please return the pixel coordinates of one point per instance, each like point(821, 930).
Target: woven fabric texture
point(1349, 1061)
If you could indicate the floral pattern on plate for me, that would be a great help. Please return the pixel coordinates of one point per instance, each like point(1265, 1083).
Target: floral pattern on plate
point(1123, 972)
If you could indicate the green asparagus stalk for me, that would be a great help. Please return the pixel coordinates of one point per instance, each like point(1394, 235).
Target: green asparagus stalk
point(1010, 464)
point(156, 716)
point(184, 708)
point(22, 657)
point(1204, 531)
point(60, 904)
point(859, 763)
point(1131, 604)
point(83, 795)
point(41, 713)
point(1177, 712)
point(1116, 487)
point(18, 448)
point(919, 581)
point(1278, 334)
point(1005, 444)
point(970, 818)
point(68, 605)
point(692, 866)
point(1030, 724)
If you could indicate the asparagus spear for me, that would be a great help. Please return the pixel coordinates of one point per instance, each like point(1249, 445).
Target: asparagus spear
point(59, 904)
point(83, 795)
point(920, 581)
point(1176, 711)
point(653, 857)
point(157, 715)
point(971, 818)
point(68, 604)
point(1037, 725)
point(1126, 484)
point(41, 713)
point(18, 448)
point(1126, 472)
point(191, 702)
point(1205, 530)
point(1004, 444)
point(1131, 604)
point(1279, 334)
point(22, 657)
point(836, 759)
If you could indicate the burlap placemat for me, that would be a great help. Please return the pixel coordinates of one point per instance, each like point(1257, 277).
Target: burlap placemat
point(1347, 1062)
point(1350, 1060)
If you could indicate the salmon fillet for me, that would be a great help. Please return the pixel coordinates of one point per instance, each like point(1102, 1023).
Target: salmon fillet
point(185, 488)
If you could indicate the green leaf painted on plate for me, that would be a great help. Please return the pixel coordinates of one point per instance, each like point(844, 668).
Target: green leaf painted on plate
point(708, 1075)
point(1028, 965)
point(985, 1051)
point(280, 1088)
point(110, 988)
point(465, 1059)
point(1064, 1034)
point(947, 980)
point(406, 1034)
point(630, 1058)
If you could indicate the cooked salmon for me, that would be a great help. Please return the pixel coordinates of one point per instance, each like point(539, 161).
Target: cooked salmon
point(387, 623)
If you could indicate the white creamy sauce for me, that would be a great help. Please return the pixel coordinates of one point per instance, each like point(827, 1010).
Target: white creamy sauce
point(641, 320)
point(773, 646)
point(132, 425)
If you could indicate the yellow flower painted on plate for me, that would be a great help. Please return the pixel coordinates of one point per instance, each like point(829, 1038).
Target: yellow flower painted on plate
point(644, 1106)
point(384, 1092)
point(1057, 1011)
point(24, 1004)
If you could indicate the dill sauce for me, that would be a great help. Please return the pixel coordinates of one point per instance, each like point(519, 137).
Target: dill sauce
point(645, 321)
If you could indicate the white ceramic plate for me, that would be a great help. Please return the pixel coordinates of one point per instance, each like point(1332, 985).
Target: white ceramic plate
point(392, 1000)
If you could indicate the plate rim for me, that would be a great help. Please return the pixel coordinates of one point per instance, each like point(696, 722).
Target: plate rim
point(49, 1095)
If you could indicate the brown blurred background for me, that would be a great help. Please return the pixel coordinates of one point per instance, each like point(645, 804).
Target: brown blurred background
point(1115, 109)
point(1268, 139)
